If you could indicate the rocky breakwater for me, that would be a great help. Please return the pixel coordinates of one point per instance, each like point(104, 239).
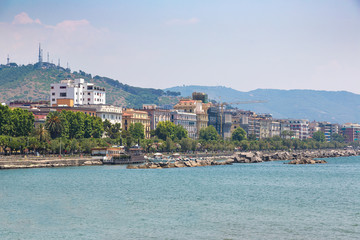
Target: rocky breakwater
point(14, 163)
point(180, 164)
point(301, 157)
point(306, 161)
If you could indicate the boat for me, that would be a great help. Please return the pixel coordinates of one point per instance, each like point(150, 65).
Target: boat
point(117, 155)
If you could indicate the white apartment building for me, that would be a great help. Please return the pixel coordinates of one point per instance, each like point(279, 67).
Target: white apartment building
point(300, 126)
point(187, 120)
point(76, 92)
point(108, 112)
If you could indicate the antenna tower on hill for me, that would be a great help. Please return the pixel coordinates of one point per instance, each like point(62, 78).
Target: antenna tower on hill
point(40, 54)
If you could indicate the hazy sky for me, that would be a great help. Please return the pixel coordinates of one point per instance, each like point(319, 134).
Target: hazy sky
point(240, 44)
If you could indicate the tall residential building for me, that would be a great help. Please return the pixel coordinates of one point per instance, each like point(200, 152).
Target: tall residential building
point(299, 127)
point(329, 129)
point(76, 92)
point(221, 121)
point(351, 132)
point(186, 120)
point(131, 116)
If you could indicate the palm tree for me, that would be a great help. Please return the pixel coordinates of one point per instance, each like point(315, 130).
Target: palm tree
point(54, 124)
point(41, 133)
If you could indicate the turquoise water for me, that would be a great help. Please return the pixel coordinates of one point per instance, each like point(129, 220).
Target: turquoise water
point(242, 201)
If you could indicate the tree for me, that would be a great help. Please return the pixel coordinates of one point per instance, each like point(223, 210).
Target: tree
point(168, 129)
point(137, 131)
point(337, 138)
point(180, 132)
point(238, 135)
point(319, 136)
point(209, 133)
point(41, 133)
point(112, 130)
point(54, 124)
point(16, 122)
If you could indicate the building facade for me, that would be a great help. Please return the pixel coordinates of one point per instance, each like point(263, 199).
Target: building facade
point(108, 112)
point(156, 115)
point(300, 127)
point(187, 121)
point(132, 116)
point(351, 132)
point(76, 93)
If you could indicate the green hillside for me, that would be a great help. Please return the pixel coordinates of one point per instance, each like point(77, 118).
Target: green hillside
point(32, 82)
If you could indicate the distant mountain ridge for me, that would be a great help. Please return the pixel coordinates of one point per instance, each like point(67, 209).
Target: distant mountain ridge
point(32, 82)
point(331, 106)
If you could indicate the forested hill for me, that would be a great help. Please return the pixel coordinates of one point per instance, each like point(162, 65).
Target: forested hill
point(332, 106)
point(32, 82)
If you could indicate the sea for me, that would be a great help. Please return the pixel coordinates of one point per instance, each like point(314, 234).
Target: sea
point(269, 200)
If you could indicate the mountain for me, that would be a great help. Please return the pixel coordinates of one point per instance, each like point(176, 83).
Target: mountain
point(32, 82)
point(332, 106)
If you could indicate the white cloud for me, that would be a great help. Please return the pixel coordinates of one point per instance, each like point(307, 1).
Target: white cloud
point(183, 21)
point(68, 39)
point(23, 18)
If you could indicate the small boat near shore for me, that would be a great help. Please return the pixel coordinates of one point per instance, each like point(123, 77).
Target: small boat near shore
point(118, 155)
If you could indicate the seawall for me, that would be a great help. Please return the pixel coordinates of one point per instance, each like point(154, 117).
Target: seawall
point(33, 162)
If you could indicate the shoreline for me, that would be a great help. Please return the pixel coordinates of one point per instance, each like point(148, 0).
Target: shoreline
point(205, 159)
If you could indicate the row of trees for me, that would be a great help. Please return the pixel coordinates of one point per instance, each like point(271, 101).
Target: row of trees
point(16, 122)
point(73, 125)
point(76, 132)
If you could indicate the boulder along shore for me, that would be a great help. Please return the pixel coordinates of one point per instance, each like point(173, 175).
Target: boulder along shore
point(298, 157)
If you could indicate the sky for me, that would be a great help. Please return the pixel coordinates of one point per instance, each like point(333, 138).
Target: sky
point(245, 45)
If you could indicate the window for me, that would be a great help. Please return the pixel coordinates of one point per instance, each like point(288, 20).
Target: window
point(88, 93)
point(63, 94)
point(62, 87)
point(52, 87)
point(89, 99)
point(53, 99)
point(53, 94)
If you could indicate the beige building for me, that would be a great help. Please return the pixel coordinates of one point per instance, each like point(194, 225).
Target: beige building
point(131, 116)
point(197, 107)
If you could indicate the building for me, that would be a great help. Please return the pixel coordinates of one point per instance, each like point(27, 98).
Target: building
point(132, 116)
point(186, 120)
point(203, 97)
point(156, 115)
point(351, 132)
point(76, 93)
point(108, 112)
point(300, 127)
point(313, 128)
point(284, 129)
point(222, 121)
point(196, 106)
point(329, 129)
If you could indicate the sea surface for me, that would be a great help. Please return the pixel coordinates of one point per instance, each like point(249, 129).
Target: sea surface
point(268, 200)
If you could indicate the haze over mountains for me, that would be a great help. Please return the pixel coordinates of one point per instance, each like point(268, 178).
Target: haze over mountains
point(332, 106)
